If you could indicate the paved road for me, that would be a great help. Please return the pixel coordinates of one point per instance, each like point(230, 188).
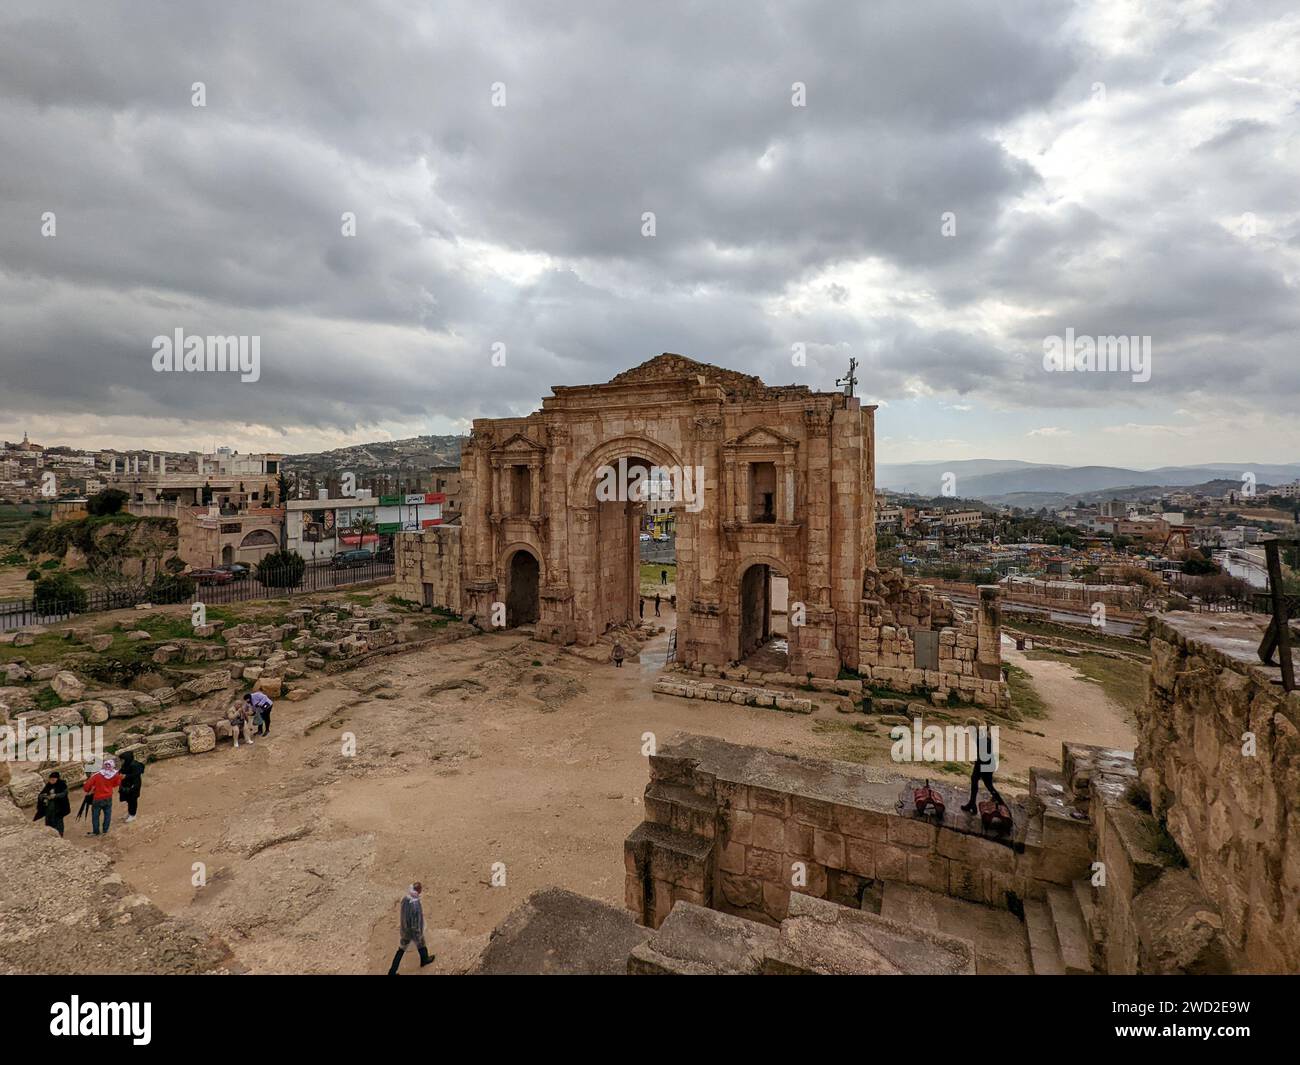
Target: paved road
point(1064, 617)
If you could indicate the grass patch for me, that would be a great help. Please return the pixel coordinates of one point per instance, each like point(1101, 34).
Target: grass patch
point(650, 572)
point(47, 698)
point(850, 743)
point(1025, 700)
point(360, 598)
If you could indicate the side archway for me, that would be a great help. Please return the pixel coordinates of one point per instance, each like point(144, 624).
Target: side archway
point(522, 570)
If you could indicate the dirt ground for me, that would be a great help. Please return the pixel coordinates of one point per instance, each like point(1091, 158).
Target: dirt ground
point(496, 754)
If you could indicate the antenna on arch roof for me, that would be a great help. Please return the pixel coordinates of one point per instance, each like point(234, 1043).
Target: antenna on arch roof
point(849, 381)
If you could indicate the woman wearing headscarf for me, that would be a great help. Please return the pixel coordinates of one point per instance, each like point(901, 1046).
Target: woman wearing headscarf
point(52, 803)
point(100, 787)
point(132, 770)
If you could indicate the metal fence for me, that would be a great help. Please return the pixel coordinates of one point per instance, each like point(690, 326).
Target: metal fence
point(272, 584)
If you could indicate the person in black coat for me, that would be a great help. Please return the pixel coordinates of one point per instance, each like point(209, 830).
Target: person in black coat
point(52, 803)
point(129, 792)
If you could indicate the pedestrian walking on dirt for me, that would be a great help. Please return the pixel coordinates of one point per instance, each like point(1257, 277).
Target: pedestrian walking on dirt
point(663, 577)
point(640, 602)
point(656, 604)
point(410, 928)
point(100, 787)
point(132, 772)
point(52, 803)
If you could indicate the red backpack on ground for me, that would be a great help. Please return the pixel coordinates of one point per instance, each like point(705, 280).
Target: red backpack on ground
point(928, 800)
point(995, 815)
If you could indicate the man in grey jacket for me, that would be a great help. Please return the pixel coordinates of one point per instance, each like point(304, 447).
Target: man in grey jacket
point(411, 928)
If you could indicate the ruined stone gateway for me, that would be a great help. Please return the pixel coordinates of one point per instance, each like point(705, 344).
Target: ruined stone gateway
point(768, 482)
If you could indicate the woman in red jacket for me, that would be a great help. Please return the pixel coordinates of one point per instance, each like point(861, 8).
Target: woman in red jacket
point(100, 786)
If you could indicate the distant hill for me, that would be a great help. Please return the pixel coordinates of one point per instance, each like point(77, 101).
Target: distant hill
point(1036, 484)
point(413, 455)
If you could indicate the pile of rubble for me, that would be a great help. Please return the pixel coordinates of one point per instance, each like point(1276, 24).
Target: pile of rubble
point(633, 637)
point(270, 658)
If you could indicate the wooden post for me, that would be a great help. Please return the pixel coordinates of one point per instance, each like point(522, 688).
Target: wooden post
point(1278, 636)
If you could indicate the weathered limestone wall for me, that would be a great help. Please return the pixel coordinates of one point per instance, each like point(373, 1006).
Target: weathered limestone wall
point(428, 567)
point(739, 828)
point(1232, 807)
point(969, 659)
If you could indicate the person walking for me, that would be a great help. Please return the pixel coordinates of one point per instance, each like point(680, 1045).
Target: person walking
point(663, 578)
point(132, 770)
point(410, 928)
point(100, 787)
point(260, 704)
point(656, 604)
point(618, 655)
point(52, 803)
point(983, 767)
point(640, 599)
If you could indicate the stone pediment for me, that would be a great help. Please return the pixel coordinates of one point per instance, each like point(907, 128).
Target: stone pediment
point(762, 437)
point(671, 367)
point(517, 445)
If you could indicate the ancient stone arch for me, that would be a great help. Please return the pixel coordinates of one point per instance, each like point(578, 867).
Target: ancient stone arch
point(760, 458)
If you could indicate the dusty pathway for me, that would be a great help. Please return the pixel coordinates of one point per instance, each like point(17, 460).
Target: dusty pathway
point(1079, 710)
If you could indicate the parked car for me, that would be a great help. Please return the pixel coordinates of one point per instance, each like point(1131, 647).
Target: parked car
point(236, 569)
point(211, 576)
point(645, 538)
point(348, 559)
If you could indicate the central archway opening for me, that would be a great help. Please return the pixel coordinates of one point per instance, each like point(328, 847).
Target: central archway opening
point(764, 628)
point(621, 522)
point(522, 603)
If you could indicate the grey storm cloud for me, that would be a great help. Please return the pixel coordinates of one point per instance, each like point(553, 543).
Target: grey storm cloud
point(521, 225)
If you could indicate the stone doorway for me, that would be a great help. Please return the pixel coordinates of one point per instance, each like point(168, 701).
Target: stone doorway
point(764, 636)
point(522, 603)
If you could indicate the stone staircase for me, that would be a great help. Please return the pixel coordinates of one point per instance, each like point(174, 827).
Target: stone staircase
point(669, 857)
point(1059, 940)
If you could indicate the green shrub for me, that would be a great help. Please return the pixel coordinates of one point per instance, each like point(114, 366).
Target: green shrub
point(281, 569)
point(33, 574)
point(59, 594)
point(171, 588)
point(109, 501)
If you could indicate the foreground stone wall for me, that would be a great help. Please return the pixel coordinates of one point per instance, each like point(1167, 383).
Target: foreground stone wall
point(1234, 814)
point(739, 829)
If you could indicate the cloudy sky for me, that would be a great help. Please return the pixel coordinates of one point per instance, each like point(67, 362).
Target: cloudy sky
point(953, 184)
